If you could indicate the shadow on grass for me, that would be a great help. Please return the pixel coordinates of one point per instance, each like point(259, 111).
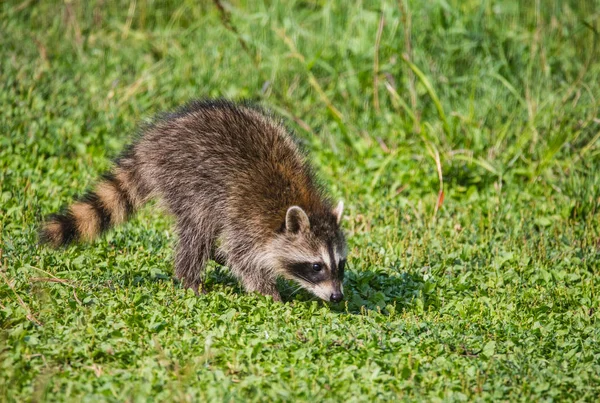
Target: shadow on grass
point(383, 292)
point(363, 290)
point(213, 277)
point(373, 290)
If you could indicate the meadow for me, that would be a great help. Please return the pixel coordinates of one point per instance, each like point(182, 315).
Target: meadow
point(462, 135)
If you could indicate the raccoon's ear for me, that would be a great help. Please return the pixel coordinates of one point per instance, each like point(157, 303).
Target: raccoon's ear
point(338, 210)
point(296, 220)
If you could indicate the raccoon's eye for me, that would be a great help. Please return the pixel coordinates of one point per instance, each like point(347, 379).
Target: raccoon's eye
point(317, 267)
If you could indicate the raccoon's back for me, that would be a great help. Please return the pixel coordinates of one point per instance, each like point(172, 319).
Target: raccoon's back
point(226, 157)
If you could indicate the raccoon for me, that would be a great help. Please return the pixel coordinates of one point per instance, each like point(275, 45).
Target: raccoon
point(242, 193)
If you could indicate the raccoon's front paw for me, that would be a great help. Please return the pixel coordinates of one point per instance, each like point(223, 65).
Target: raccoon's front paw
point(195, 286)
point(276, 296)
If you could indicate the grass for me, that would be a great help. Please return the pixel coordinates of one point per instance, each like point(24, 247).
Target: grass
point(463, 136)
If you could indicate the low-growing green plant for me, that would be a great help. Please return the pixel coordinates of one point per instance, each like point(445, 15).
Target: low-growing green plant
point(463, 136)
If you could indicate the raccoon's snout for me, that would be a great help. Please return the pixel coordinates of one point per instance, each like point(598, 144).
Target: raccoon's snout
point(336, 297)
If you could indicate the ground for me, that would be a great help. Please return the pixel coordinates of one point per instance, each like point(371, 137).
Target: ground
point(462, 135)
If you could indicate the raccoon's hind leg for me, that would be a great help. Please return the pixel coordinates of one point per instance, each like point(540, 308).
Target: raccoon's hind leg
point(192, 252)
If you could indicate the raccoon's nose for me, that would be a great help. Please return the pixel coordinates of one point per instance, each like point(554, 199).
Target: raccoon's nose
point(336, 297)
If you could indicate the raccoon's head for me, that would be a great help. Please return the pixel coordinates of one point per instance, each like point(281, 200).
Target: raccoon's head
point(312, 251)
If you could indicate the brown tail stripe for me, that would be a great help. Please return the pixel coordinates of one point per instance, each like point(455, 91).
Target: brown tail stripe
point(102, 213)
point(119, 186)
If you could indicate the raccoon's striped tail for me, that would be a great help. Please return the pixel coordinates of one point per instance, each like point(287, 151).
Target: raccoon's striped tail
point(112, 202)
